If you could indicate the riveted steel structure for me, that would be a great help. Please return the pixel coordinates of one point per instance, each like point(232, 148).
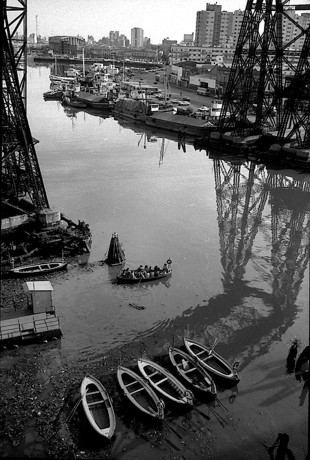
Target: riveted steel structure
point(257, 79)
point(20, 172)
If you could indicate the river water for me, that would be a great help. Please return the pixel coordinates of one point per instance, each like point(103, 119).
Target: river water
point(237, 235)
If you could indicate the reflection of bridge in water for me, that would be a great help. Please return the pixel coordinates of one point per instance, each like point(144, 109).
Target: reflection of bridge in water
point(245, 315)
point(249, 315)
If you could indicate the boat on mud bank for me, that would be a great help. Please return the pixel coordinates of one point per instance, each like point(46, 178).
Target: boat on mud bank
point(212, 361)
point(165, 383)
point(139, 393)
point(194, 375)
point(98, 407)
point(38, 269)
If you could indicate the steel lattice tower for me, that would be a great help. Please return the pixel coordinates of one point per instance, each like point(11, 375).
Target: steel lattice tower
point(257, 77)
point(20, 172)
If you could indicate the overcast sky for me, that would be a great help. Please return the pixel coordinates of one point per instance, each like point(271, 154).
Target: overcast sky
point(158, 18)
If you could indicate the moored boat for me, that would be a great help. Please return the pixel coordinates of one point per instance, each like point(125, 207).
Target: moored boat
point(212, 361)
point(193, 373)
point(96, 101)
point(38, 269)
point(53, 94)
point(98, 406)
point(72, 102)
point(139, 393)
point(165, 383)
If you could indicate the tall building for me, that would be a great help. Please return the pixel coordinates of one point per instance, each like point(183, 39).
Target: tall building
point(137, 36)
point(217, 9)
point(208, 25)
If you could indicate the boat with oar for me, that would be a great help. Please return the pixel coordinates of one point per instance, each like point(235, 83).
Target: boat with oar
point(98, 407)
point(38, 269)
point(196, 376)
point(127, 279)
point(139, 393)
point(212, 361)
point(165, 383)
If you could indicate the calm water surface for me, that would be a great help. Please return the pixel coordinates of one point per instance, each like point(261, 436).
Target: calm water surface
point(237, 236)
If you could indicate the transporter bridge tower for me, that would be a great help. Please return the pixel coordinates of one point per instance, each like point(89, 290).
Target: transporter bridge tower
point(21, 180)
point(269, 82)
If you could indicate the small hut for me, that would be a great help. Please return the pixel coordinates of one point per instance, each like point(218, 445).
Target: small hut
point(116, 255)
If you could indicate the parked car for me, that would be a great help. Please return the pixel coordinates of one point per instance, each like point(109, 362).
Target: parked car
point(186, 98)
point(174, 101)
point(183, 103)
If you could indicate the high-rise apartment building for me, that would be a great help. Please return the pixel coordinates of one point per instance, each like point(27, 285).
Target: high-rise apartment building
point(215, 27)
point(208, 26)
point(137, 36)
point(217, 9)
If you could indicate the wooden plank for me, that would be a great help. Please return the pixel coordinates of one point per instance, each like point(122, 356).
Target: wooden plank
point(12, 327)
point(41, 329)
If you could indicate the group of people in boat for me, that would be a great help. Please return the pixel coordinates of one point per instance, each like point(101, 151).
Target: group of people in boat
point(147, 271)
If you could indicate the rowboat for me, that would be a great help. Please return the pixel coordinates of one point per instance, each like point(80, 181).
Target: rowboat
point(192, 372)
point(127, 280)
point(165, 383)
point(212, 361)
point(97, 406)
point(139, 393)
point(39, 269)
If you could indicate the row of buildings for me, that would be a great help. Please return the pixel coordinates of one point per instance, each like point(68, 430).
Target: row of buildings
point(213, 43)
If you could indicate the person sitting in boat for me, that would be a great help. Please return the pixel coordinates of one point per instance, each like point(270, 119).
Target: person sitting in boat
point(169, 262)
point(156, 270)
point(151, 271)
point(132, 274)
point(165, 268)
point(146, 268)
point(146, 274)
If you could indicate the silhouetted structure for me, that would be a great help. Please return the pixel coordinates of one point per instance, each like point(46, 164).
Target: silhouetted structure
point(280, 102)
point(116, 255)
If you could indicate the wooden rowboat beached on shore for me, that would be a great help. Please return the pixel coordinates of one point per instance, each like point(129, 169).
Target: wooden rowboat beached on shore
point(98, 407)
point(165, 383)
point(196, 376)
point(38, 269)
point(139, 393)
point(212, 361)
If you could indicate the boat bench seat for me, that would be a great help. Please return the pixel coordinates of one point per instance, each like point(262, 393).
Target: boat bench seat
point(190, 370)
point(152, 375)
point(95, 402)
point(201, 352)
point(162, 380)
point(136, 391)
point(131, 383)
point(93, 393)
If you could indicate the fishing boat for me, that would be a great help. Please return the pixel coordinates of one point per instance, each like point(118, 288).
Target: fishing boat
point(193, 373)
point(139, 393)
point(165, 383)
point(38, 269)
point(122, 278)
point(212, 361)
point(97, 406)
point(96, 101)
point(72, 102)
point(53, 94)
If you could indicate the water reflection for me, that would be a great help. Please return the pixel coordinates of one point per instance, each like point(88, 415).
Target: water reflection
point(250, 314)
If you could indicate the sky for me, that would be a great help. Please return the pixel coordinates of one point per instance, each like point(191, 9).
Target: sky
point(158, 18)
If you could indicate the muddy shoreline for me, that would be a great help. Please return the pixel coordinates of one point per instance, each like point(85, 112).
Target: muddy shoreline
point(40, 416)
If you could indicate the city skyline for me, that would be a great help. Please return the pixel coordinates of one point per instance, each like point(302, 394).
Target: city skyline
point(159, 20)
